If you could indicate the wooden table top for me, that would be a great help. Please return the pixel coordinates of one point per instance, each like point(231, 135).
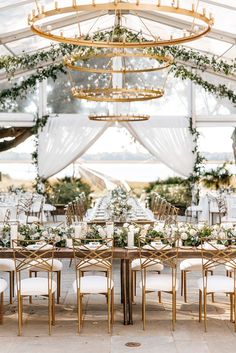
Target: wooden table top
point(119, 253)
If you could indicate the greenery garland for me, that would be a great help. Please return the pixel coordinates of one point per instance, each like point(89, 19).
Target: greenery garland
point(11, 64)
point(39, 124)
point(199, 159)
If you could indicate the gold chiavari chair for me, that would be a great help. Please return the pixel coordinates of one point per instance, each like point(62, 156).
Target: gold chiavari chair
point(26, 256)
point(172, 216)
point(216, 254)
point(35, 213)
point(23, 209)
point(90, 253)
point(69, 213)
point(7, 217)
point(154, 252)
point(7, 265)
point(3, 287)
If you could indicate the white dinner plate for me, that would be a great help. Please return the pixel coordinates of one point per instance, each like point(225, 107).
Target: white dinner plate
point(157, 247)
point(39, 246)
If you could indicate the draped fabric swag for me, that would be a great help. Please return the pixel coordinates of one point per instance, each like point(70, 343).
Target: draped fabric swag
point(65, 138)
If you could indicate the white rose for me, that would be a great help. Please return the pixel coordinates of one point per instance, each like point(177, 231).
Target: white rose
point(126, 225)
point(44, 233)
point(34, 236)
point(102, 232)
point(136, 230)
point(222, 235)
point(214, 233)
point(192, 232)
point(146, 226)
point(57, 238)
point(184, 236)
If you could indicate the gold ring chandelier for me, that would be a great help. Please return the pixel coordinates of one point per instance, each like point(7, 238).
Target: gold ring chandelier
point(201, 23)
point(80, 62)
point(119, 118)
point(116, 94)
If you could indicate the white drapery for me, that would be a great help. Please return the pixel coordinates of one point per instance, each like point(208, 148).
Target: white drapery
point(66, 137)
point(63, 140)
point(169, 140)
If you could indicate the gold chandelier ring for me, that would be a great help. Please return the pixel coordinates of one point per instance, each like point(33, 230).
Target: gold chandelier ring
point(121, 117)
point(37, 15)
point(69, 61)
point(110, 94)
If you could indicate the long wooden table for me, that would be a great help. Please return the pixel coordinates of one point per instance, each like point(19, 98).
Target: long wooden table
point(125, 256)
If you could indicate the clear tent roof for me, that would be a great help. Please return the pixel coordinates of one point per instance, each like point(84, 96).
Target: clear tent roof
point(16, 36)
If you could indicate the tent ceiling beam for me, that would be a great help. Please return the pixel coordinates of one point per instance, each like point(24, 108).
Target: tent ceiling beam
point(215, 3)
point(13, 6)
point(17, 119)
point(180, 24)
point(56, 24)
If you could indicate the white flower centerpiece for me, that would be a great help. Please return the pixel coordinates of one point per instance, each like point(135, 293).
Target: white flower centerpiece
point(118, 206)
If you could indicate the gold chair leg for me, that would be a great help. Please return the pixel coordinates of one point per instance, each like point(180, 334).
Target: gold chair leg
point(20, 309)
point(234, 318)
point(79, 310)
point(159, 296)
point(144, 309)
point(205, 308)
point(1, 308)
point(231, 307)
point(200, 306)
point(173, 310)
point(212, 295)
point(109, 309)
point(50, 313)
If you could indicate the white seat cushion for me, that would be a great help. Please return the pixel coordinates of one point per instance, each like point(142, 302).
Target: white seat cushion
point(93, 265)
point(152, 266)
point(3, 285)
point(193, 265)
point(217, 284)
point(7, 265)
point(36, 286)
point(33, 219)
point(57, 265)
point(156, 282)
point(93, 284)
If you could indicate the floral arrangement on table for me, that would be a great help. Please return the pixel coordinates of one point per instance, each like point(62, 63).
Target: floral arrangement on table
point(27, 232)
point(5, 235)
point(118, 205)
point(127, 235)
point(191, 234)
point(183, 234)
